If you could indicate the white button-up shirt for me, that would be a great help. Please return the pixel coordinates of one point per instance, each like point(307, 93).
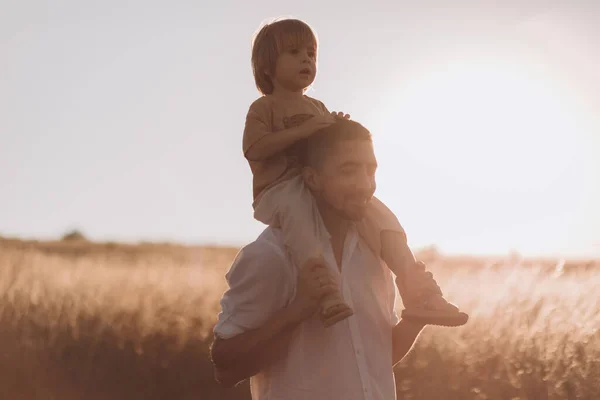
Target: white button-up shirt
point(350, 360)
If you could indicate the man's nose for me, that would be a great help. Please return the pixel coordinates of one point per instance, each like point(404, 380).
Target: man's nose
point(365, 182)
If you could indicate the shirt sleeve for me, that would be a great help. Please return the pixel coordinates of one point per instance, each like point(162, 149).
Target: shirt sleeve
point(258, 123)
point(260, 283)
point(323, 108)
point(319, 105)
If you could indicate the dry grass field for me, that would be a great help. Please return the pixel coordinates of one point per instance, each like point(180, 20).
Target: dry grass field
point(81, 320)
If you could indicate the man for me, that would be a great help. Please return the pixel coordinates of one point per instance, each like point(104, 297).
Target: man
point(269, 329)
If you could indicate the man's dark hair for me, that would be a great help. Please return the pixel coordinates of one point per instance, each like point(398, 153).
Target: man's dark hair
point(312, 150)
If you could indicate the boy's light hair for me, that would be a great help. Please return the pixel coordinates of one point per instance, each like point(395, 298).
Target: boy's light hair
point(270, 41)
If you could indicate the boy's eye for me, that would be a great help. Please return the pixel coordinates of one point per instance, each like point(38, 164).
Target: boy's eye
point(294, 51)
point(311, 54)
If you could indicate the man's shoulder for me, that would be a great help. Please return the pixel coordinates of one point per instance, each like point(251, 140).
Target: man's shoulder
point(266, 254)
point(268, 244)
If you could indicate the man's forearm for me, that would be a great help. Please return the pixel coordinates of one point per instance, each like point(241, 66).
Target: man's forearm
point(253, 362)
point(404, 335)
point(244, 355)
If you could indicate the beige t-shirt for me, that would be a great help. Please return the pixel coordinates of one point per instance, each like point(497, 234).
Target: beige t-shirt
point(268, 116)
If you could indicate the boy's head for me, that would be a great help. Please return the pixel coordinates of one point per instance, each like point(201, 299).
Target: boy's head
point(284, 54)
point(339, 167)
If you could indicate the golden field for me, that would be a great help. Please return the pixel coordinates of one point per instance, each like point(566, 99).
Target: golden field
point(81, 320)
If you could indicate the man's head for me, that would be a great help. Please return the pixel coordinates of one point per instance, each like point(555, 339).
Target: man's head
point(339, 168)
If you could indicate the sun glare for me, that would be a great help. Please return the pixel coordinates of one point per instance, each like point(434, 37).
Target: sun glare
point(493, 125)
point(503, 129)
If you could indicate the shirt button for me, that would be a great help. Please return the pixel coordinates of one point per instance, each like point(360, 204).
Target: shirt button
point(358, 352)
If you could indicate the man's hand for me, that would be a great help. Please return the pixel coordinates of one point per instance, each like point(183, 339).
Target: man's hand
point(314, 282)
point(249, 352)
point(340, 115)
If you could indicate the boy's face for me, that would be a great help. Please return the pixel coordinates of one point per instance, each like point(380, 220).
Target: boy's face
point(296, 68)
point(345, 181)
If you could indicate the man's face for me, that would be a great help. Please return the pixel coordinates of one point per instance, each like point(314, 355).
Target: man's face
point(345, 180)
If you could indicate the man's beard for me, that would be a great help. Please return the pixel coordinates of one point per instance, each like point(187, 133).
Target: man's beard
point(346, 215)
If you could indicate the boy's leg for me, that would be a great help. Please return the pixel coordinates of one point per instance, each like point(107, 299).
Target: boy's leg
point(422, 298)
point(423, 302)
point(334, 309)
point(313, 232)
point(291, 207)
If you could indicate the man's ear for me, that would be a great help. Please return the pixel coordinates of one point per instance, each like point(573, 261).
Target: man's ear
point(311, 179)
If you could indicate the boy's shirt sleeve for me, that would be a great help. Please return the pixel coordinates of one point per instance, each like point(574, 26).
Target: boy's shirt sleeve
point(258, 123)
point(323, 107)
point(260, 283)
point(319, 105)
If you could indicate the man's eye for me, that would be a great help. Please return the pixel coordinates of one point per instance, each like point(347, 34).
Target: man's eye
point(294, 51)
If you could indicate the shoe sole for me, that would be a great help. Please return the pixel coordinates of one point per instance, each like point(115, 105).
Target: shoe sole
point(436, 317)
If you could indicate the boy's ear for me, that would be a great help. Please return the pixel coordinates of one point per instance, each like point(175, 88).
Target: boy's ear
point(311, 178)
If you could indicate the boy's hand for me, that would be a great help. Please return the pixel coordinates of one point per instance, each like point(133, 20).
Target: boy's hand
point(317, 123)
point(340, 115)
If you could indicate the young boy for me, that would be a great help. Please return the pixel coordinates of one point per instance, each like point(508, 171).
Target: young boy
point(284, 62)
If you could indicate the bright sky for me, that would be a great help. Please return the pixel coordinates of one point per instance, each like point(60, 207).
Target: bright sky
point(124, 118)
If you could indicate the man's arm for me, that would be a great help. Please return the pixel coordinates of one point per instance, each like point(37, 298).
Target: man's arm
point(245, 354)
point(404, 335)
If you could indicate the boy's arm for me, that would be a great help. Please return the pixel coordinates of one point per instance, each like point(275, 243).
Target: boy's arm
point(260, 142)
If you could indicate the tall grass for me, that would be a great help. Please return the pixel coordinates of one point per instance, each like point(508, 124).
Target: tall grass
point(118, 322)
